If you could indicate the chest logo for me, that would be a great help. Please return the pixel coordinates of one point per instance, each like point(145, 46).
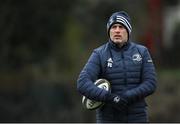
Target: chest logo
point(137, 57)
point(109, 62)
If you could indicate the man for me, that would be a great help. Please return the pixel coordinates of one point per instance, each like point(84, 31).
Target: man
point(129, 69)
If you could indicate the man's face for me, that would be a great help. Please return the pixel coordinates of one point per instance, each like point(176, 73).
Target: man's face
point(118, 34)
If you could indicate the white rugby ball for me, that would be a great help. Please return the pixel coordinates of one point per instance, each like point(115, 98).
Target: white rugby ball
point(92, 104)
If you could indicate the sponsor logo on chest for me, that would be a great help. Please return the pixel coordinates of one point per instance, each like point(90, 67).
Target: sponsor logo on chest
point(109, 63)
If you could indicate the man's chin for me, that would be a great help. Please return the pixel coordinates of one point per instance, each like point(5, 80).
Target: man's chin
point(118, 42)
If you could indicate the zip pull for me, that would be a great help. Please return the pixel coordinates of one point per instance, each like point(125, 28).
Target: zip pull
point(122, 55)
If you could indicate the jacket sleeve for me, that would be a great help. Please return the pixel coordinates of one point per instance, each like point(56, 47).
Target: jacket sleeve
point(89, 74)
point(149, 81)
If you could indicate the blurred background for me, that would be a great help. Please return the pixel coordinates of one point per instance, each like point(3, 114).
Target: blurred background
point(45, 43)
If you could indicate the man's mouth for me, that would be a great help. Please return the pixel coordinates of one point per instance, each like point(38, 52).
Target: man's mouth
point(117, 36)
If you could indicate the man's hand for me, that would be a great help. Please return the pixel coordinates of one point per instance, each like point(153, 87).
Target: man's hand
point(117, 101)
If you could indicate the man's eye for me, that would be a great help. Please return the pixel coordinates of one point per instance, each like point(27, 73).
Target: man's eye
point(121, 26)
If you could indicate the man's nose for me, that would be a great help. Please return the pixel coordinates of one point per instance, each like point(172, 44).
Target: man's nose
point(117, 29)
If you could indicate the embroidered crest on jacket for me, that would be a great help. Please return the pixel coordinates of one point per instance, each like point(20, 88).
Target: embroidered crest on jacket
point(137, 57)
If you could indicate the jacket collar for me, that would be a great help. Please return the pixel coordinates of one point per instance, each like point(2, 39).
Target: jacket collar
point(117, 48)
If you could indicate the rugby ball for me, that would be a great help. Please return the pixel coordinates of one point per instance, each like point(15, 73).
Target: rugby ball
point(92, 104)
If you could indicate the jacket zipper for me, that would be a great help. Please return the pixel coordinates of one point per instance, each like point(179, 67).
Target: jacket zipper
point(124, 68)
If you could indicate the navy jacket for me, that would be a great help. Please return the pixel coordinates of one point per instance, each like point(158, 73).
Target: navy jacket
point(130, 70)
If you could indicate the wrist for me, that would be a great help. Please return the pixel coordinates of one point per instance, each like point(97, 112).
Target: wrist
point(111, 98)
